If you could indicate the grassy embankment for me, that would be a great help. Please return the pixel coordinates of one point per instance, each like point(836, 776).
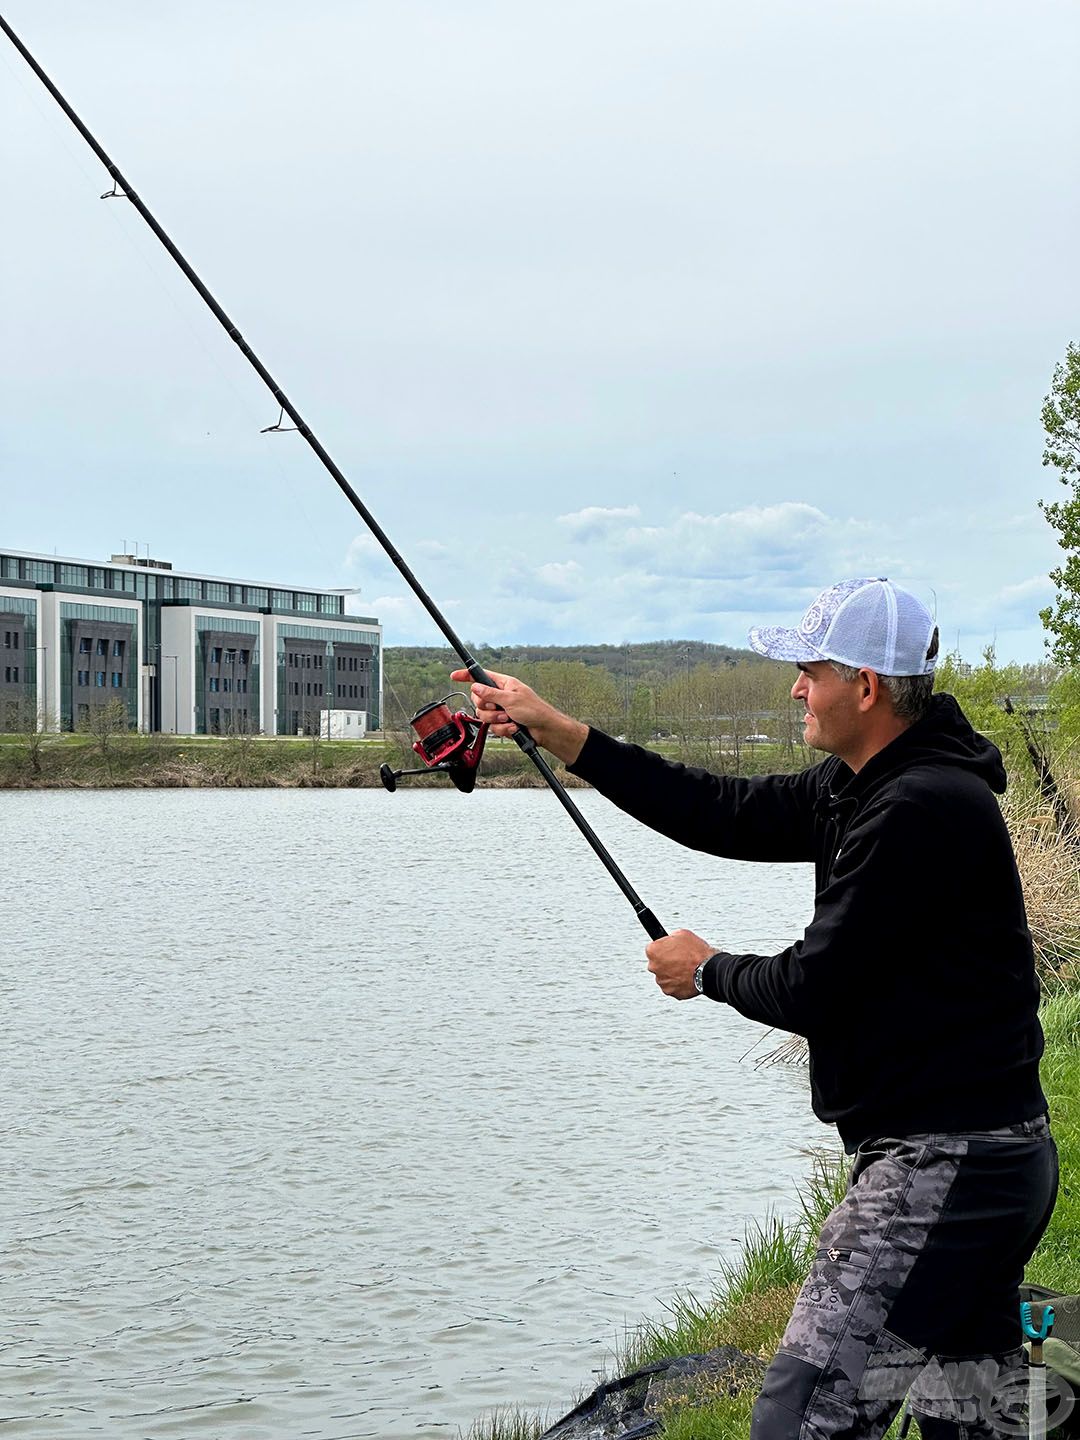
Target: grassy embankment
point(49, 762)
point(752, 1296)
point(166, 761)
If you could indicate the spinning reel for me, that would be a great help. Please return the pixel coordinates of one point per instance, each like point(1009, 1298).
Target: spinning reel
point(451, 743)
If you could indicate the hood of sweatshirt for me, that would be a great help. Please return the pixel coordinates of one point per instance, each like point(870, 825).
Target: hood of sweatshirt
point(944, 736)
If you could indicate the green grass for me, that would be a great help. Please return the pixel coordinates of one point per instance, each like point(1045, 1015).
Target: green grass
point(507, 1425)
point(136, 761)
point(1056, 1263)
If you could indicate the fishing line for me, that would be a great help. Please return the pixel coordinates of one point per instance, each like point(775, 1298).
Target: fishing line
point(524, 740)
point(148, 259)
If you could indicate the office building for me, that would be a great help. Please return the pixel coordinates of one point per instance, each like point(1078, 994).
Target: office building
point(182, 653)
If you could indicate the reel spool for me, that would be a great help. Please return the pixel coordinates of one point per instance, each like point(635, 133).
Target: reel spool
point(450, 742)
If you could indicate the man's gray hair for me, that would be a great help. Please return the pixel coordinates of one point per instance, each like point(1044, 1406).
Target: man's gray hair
point(910, 694)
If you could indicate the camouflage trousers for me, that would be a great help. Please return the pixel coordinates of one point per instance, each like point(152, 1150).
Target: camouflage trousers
point(915, 1288)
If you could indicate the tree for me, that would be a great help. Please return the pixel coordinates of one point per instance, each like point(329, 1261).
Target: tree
point(241, 744)
point(104, 723)
point(1061, 422)
point(639, 715)
point(26, 718)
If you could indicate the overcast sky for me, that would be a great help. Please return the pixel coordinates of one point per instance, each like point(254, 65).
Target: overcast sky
point(628, 320)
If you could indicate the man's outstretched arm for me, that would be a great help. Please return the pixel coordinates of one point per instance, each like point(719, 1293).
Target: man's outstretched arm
point(766, 817)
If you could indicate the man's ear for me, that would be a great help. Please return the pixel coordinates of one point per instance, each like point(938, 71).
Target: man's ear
point(869, 689)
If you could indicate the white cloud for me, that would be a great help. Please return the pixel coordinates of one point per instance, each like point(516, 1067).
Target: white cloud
point(1037, 590)
point(787, 545)
point(597, 520)
point(560, 579)
point(364, 549)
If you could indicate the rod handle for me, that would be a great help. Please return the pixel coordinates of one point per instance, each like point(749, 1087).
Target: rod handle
point(651, 924)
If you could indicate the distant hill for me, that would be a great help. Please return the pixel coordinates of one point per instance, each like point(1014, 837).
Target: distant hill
point(416, 673)
point(651, 662)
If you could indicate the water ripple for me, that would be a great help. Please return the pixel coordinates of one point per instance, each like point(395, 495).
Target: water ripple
point(296, 1149)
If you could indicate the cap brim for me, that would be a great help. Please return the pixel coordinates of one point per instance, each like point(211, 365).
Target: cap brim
point(779, 643)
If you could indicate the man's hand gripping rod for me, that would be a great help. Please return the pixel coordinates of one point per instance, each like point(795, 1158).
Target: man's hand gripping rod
point(122, 190)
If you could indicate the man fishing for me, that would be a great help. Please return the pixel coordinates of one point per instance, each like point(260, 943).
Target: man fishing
point(915, 987)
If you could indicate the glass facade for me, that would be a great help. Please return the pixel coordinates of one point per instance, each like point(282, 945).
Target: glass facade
point(17, 699)
point(228, 666)
point(328, 635)
point(76, 624)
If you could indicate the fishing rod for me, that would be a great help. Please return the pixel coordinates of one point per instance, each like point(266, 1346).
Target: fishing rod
point(122, 190)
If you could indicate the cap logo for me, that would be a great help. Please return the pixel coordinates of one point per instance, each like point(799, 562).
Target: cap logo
point(812, 620)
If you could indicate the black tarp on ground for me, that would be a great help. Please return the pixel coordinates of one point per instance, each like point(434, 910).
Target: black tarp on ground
point(629, 1408)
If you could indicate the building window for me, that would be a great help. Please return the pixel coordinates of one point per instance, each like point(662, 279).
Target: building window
point(99, 679)
point(215, 655)
point(245, 656)
point(118, 649)
point(215, 684)
point(226, 684)
point(241, 687)
point(230, 657)
point(102, 647)
point(84, 645)
point(117, 679)
point(254, 595)
point(215, 590)
point(306, 602)
point(84, 677)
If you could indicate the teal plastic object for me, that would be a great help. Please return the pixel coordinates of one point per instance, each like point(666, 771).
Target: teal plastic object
point(1027, 1320)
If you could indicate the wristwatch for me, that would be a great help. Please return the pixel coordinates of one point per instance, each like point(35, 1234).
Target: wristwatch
point(699, 976)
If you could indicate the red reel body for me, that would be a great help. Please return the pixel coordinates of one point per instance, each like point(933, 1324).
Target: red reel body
point(451, 741)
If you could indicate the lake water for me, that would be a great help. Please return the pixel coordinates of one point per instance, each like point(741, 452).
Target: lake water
point(336, 1114)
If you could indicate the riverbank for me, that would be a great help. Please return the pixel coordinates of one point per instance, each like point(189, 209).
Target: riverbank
point(752, 1297)
point(125, 761)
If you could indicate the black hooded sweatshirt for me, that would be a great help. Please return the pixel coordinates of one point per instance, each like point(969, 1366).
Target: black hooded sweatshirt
point(915, 982)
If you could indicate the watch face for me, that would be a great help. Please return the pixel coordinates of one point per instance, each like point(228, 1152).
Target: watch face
point(699, 976)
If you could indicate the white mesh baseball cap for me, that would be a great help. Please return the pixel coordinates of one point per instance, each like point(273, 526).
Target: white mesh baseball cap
point(865, 623)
